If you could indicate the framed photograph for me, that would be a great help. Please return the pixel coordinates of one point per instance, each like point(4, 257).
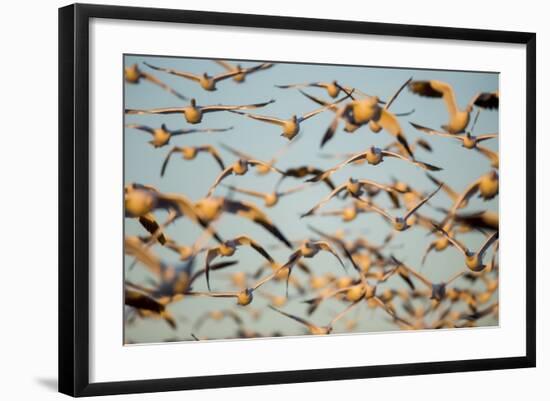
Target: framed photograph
point(250, 199)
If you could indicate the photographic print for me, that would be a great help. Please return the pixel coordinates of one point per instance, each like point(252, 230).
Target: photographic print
point(268, 199)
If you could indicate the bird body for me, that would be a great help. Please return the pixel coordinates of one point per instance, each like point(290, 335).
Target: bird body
point(193, 113)
point(458, 118)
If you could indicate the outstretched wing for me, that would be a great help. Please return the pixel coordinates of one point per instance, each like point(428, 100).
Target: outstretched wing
point(182, 74)
point(211, 254)
point(486, 100)
point(225, 173)
point(144, 128)
point(335, 192)
point(245, 240)
point(252, 212)
point(389, 122)
point(167, 159)
point(208, 109)
point(420, 204)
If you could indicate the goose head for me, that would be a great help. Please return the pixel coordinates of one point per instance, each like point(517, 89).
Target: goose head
point(400, 224)
point(374, 155)
point(245, 297)
point(240, 167)
point(469, 141)
point(308, 249)
point(227, 249)
point(354, 187)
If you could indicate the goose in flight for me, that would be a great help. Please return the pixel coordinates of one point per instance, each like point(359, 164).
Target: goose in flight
point(313, 328)
point(373, 156)
point(193, 113)
point(245, 296)
point(458, 119)
point(261, 169)
point(133, 75)
point(304, 171)
point(333, 88)
point(210, 209)
point(362, 111)
point(291, 126)
point(468, 140)
point(242, 73)
point(374, 125)
point(485, 220)
point(348, 213)
point(308, 249)
point(136, 297)
point(270, 198)
point(400, 149)
point(354, 187)
point(190, 153)
point(401, 223)
point(228, 248)
point(240, 167)
point(438, 290)
point(395, 147)
point(140, 200)
point(162, 135)
point(487, 185)
point(207, 82)
point(473, 260)
point(439, 244)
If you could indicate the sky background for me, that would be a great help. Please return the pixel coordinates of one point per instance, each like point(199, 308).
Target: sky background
point(261, 140)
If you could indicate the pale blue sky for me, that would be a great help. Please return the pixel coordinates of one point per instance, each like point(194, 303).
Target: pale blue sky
point(142, 164)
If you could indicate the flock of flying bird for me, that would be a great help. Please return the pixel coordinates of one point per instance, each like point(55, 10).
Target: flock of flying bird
point(363, 271)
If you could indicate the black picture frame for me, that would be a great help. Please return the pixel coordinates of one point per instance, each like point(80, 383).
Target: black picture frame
point(74, 198)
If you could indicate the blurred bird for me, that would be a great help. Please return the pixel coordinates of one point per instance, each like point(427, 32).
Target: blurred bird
point(193, 113)
point(473, 260)
point(304, 171)
point(374, 125)
point(242, 73)
point(162, 135)
point(136, 297)
point(291, 126)
point(458, 119)
point(487, 185)
point(363, 111)
point(261, 169)
point(207, 82)
point(228, 248)
point(333, 88)
point(270, 198)
point(438, 290)
point(314, 329)
point(373, 156)
point(401, 223)
point(190, 153)
point(354, 187)
point(240, 167)
point(209, 209)
point(133, 75)
point(468, 141)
